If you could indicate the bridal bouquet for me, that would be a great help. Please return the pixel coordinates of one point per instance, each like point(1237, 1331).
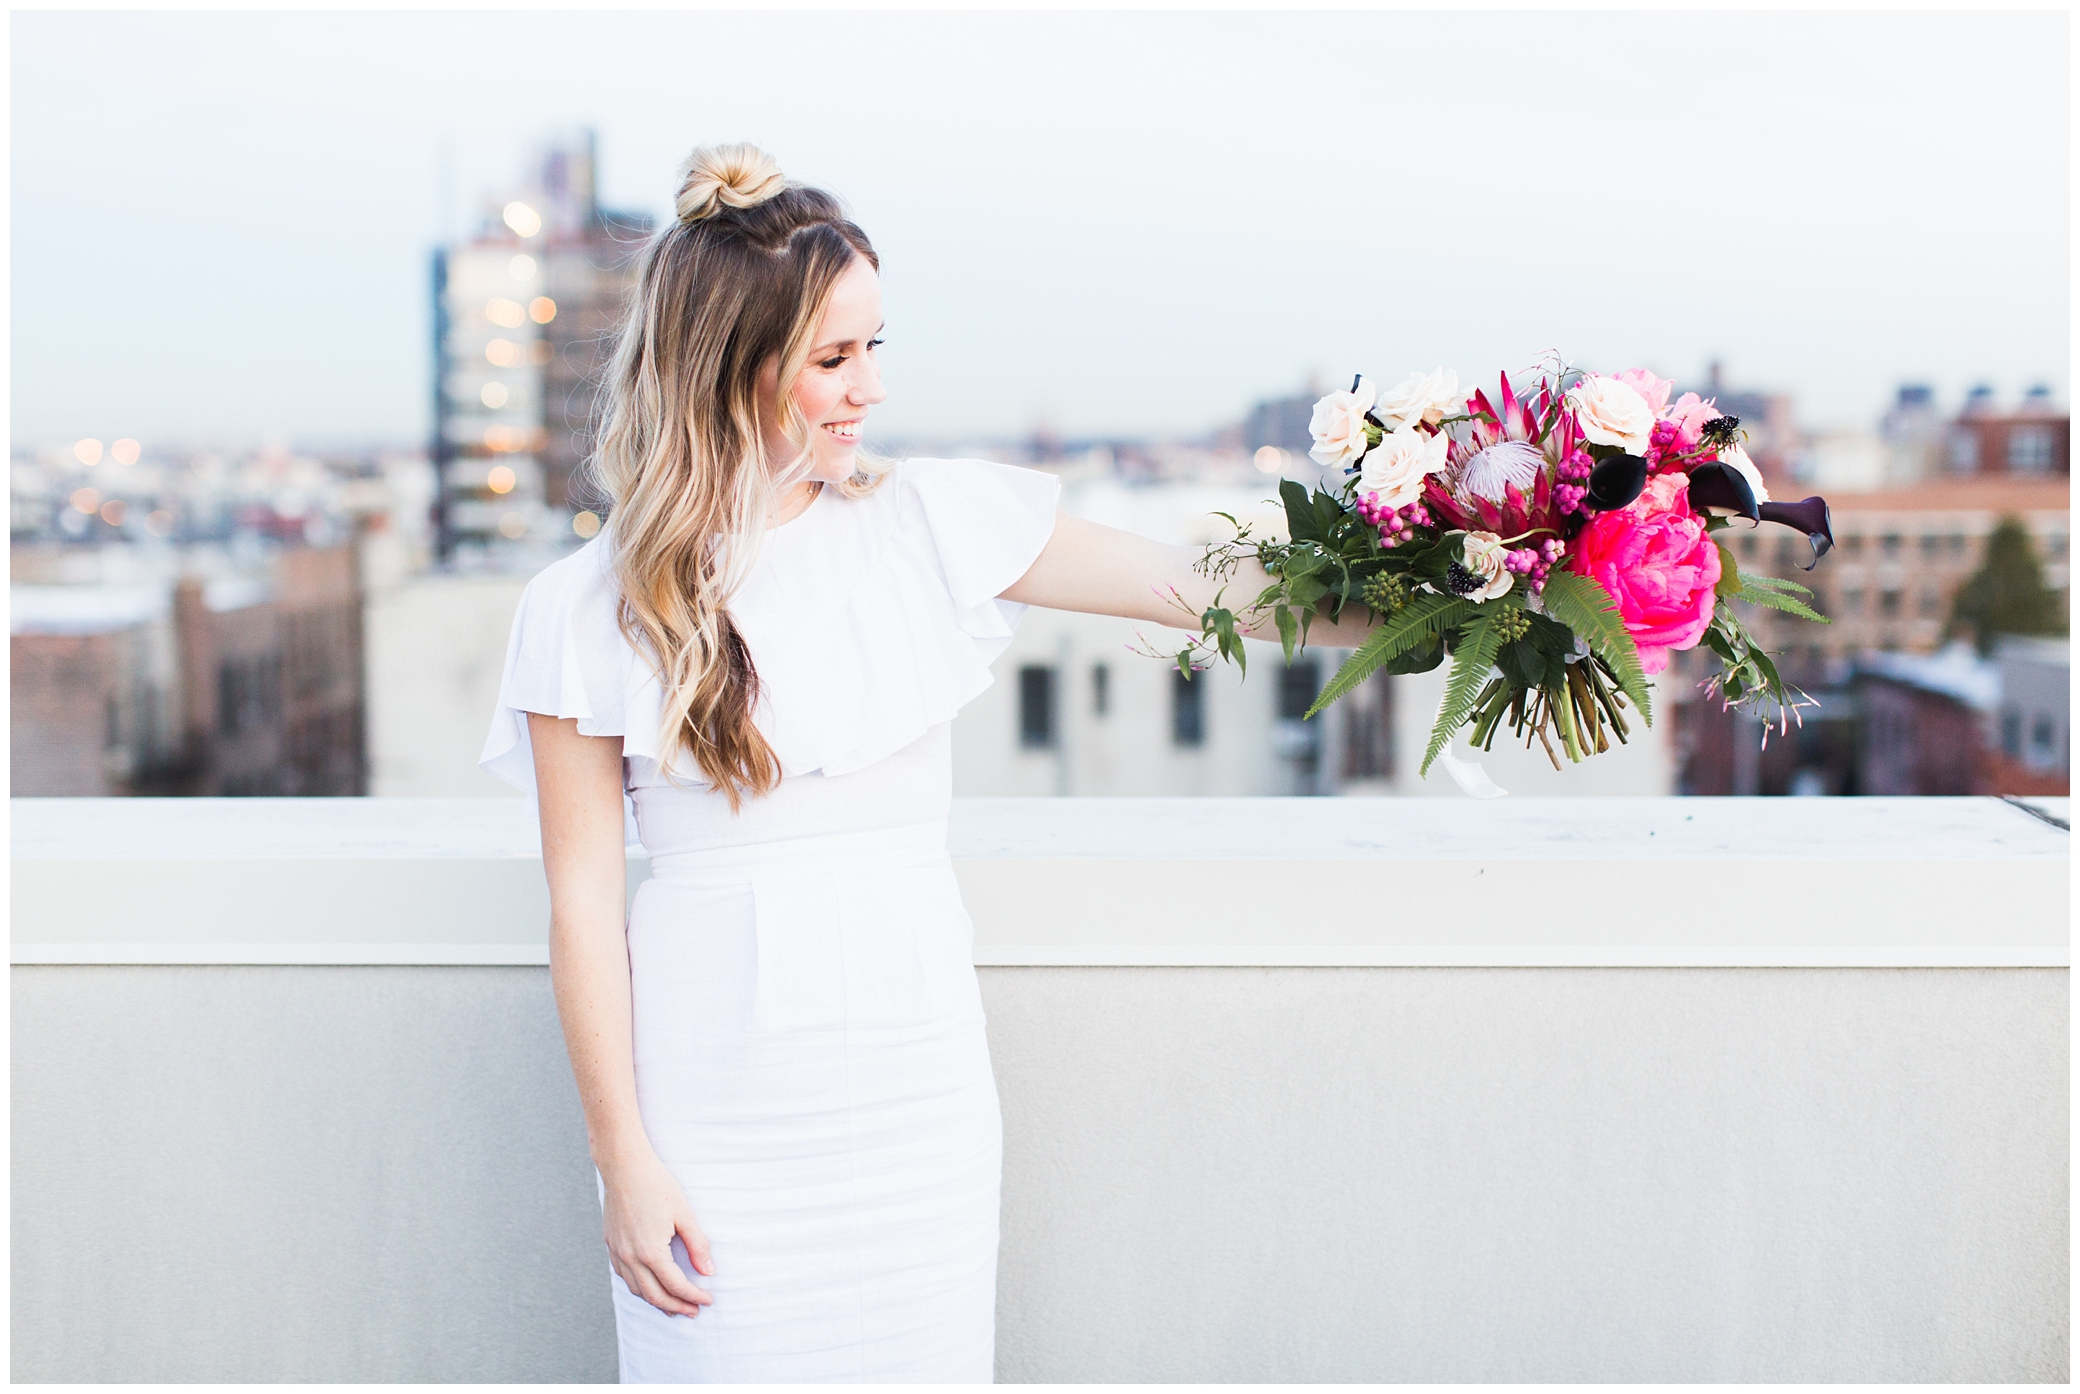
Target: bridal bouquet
point(1556, 543)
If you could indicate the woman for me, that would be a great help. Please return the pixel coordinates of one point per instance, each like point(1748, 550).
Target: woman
point(779, 1047)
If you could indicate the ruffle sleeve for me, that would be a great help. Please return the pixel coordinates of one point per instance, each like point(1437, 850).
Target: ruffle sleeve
point(567, 657)
point(869, 621)
point(881, 622)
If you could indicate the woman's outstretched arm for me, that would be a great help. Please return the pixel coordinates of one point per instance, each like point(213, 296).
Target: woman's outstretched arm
point(583, 850)
point(1103, 571)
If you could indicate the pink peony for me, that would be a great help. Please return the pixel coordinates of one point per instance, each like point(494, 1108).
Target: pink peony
point(1689, 415)
point(1652, 390)
point(1654, 558)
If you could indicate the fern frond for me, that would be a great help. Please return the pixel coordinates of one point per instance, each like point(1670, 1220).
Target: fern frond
point(1478, 644)
point(1421, 619)
point(1587, 608)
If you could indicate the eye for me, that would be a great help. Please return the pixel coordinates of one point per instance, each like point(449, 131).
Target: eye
point(875, 343)
point(830, 363)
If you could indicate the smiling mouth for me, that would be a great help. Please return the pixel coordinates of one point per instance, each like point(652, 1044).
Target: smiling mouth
point(847, 431)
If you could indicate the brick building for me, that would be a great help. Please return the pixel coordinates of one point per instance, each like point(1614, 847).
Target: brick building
point(237, 686)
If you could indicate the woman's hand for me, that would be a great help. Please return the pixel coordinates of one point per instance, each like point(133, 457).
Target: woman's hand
point(1098, 570)
point(646, 1211)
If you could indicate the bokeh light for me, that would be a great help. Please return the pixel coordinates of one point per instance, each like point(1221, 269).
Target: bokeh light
point(512, 525)
point(501, 352)
point(586, 524)
point(521, 267)
point(126, 451)
point(87, 500)
point(522, 219)
point(505, 313)
point(114, 511)
point(541, 309)
point(87, 452)
point(1271, 460)
point(159, 523)
point(501, 479)
point(494, 394)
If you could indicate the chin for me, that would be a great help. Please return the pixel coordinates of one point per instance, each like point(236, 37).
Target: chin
point(834, 468)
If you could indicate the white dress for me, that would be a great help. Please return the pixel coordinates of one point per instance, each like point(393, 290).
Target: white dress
point(809, 1050)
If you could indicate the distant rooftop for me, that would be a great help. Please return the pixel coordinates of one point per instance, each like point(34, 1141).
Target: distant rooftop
point(1955, 672)
point(84, 609)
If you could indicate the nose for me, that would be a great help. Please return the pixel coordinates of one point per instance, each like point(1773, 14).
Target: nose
point(866, 388)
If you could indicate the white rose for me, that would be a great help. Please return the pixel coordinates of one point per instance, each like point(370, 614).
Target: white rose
point(1424, 397)
point(1736, 459)
point(1338, 426)
point(1482, 553)
point(1394, 469)
point(1612, 413)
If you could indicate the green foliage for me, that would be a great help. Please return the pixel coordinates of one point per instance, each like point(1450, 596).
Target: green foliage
point(2007, 594)
point(1587, 609)
point(1478, 642)
point(1776, 600)
point(1424, 618)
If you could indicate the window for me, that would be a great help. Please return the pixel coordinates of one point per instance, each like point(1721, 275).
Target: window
point(1888, 604)
point(1964, 452)
point(2029, 449)
point(2041, 735)
point(1101, 689)
point(1035, 707)
point(1187, 709)
point(1956, 544)
point(1297, 688)
point(1852, 601)
point(2011, 733)
point(1931, 601)
point(1853, 544)
point(1787, 552)
point(1748, 546)
point(1931, 545)
point(1892, 544)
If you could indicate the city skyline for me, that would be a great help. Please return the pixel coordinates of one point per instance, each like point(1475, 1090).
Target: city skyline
point(1300, 220)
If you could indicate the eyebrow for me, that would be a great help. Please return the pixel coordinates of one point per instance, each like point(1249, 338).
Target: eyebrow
point(822, 349)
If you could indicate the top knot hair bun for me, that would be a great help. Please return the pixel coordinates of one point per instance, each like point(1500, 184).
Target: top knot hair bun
point(716, 177)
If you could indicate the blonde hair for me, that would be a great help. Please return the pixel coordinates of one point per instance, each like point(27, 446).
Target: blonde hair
point(741, 277)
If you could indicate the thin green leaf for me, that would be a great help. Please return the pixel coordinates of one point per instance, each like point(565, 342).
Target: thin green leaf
point(1422, 619)
point(1288, 631)
point(1790, 605)
point(1587, 608)
point(1477, 645)
point(1775, 583)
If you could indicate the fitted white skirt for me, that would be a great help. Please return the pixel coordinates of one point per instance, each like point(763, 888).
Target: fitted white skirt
point(810, 1063)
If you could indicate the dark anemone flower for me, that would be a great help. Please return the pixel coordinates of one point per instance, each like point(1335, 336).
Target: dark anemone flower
point(1720, 430)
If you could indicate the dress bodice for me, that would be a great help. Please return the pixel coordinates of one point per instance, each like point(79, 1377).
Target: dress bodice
point(870, 621)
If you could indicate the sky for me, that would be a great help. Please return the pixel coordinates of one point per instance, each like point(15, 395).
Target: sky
point(1104, 224)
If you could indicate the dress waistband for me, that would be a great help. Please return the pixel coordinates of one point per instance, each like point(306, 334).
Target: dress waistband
point(908, 844)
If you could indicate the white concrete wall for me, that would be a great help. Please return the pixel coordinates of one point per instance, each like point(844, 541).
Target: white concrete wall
point(436, 651)
point(1262, 1174)
point(1589, 1170)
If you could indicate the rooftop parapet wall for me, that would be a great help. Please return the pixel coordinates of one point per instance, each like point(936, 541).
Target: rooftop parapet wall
point(1899, 882)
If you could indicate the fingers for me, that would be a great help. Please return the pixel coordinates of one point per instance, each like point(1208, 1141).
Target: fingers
point(658, 1281)
point(697, 1247)
point(674, 1279)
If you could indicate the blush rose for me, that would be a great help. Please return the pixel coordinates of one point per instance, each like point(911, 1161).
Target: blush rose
point(1655, 559)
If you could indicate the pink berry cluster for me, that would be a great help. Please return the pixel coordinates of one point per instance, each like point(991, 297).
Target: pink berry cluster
point(1571, 482)
point(1664, 448)
point(1534, 562)
point(1396, 525)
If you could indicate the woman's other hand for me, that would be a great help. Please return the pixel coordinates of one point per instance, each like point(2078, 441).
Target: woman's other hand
point(646, 1211)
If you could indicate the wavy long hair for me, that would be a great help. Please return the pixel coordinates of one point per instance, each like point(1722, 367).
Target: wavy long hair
point(739, 279)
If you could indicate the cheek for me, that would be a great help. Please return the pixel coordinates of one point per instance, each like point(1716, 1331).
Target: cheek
point(816, 398)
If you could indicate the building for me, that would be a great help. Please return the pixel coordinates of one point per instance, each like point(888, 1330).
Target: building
point(2033, 753)
point(234, 685)
point(1924, 721)
point(524, 316)
point(1900, 556)
point(2032, 442)
point(95, 686)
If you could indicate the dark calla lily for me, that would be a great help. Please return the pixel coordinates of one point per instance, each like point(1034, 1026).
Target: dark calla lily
point(1809, 516)
point(1615, 482)
point(1722, 490)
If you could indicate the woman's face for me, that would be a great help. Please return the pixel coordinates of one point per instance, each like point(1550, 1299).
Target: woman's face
point(837, 384)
